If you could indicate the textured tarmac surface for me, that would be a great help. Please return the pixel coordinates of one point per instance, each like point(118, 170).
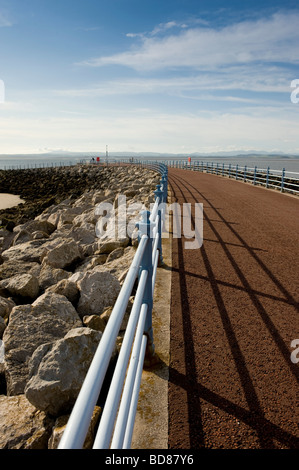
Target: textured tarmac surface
point(234, 314)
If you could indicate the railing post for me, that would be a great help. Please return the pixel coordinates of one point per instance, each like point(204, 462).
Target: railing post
point(267, 177)
point(282, 179)
point(147, 264)
point(164, 183)
point(254, 176)
point(237, 171)
point(159, 194)
point(245, 169)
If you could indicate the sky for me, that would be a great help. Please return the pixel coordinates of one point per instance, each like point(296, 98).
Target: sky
point(165, 76)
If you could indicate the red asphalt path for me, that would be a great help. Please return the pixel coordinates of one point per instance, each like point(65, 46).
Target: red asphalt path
point(234, 314)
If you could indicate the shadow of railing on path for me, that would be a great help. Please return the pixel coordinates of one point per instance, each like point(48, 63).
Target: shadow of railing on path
point(266, 431)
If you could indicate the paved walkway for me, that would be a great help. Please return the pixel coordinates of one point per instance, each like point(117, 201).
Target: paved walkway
point(234, 313)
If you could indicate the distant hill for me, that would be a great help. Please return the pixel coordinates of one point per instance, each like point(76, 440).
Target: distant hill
point(150, 155)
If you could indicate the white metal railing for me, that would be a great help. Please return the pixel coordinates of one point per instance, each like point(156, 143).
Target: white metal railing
point(117, 420)
point(283, 180)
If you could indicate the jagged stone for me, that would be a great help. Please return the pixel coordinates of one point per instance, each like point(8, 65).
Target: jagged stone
point(25, 252)
point(98, 290)
point(63, 254)
point(50, 317)
point(67, 288)
point(22, 425)
point(24, 285)
point(115, 254)
point(22, 237)
point(57, 370)
point(2, 327)
point(6, 306)
point(10, 268)
point(49, 276)
point(39, 235)
point(95, 322)
point(109, 246)
point(36, 225)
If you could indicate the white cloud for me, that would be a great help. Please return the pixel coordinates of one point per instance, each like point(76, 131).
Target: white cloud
point(161, 28)
point(273, 39)
point(148, 131)
point(267, 80)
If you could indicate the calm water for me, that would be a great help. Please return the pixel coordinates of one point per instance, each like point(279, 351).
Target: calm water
point(31, 162)
point(290, 164)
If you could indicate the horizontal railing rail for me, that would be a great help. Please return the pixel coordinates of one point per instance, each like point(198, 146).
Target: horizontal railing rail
point(115, 428)
point(39, 164)
point(283, 180)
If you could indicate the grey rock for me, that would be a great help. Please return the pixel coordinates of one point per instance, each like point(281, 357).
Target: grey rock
point(25, 252)
point(95, 322)
point(98, 290)
point(6, 306)
point(63, 254)
point(49, 318)
point(39, 235)
point(49, 276)
point(11, 268)
point(111, 245)
point(22, 425)
point(57, 370)
point(36, 225)
point(22, 237)
point(24, 285)
point(2, 327)
point(115, 254)
point(67, 288)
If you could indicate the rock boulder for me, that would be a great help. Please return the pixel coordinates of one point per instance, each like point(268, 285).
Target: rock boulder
point(49, 318)
point(22, 425)
point(24, 285)
point(57, 370)
point(98, 290)
point(63, 254)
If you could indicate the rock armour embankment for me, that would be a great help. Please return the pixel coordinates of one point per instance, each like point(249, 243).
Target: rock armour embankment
point(59, 279)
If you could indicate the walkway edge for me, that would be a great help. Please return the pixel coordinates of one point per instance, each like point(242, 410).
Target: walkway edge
point(151, 425)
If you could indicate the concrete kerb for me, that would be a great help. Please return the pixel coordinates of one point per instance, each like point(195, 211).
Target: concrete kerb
point(151, 424)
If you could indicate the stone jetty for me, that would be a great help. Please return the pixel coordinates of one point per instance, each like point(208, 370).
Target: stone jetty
point(61, 270)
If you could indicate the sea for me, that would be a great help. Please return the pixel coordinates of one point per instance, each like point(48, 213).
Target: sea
point(277, 163)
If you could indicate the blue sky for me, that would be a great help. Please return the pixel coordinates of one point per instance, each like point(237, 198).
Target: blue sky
point(166, 76)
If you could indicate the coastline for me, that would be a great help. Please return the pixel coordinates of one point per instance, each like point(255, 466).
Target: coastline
point(9, 200)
